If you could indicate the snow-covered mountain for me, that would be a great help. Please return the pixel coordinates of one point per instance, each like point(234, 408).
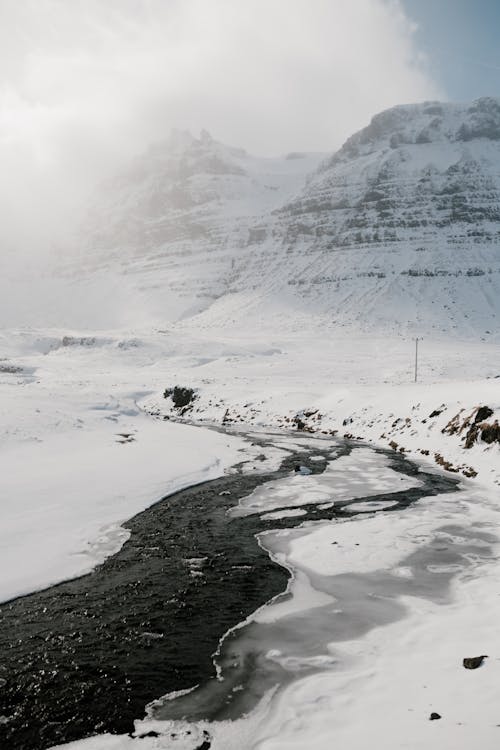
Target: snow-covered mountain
point(401, 225)
point(180, 217)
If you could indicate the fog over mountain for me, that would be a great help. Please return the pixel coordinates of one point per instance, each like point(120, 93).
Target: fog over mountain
point(86, 85)
point(398, 228)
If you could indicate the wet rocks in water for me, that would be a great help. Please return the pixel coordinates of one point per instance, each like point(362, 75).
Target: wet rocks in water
point(474, 662)
point(303, 470)
point(434, 716)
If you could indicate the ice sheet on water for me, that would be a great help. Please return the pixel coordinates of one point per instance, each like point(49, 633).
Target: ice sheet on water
point(286, 513)
point(310, 639)
point(371, 505)
point(360, 474)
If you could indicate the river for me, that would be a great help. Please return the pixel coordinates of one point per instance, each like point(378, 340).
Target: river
point(86, 656)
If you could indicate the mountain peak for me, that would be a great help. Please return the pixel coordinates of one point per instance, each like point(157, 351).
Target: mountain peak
point(400, 227)
point(427, 122)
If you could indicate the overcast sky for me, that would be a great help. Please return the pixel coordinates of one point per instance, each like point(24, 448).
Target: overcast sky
point(86, 84)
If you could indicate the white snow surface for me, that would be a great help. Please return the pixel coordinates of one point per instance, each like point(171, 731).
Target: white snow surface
point(348, 477)
point(393, 676)
point(62, 413)
point(77, 459)
point(68, 485)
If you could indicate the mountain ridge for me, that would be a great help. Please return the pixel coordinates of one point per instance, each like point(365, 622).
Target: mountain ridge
point(400, 226)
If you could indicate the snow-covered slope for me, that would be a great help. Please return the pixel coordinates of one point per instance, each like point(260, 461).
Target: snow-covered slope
point(184, 212)
point(402, 225)
point(398, 229)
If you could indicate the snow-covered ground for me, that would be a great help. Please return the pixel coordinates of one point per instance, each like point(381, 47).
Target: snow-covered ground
point(339, 380)
point(79, 454)
point(78, 458)
point(383, 611)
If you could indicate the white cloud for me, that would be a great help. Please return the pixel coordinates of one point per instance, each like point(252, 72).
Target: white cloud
point(84, 84)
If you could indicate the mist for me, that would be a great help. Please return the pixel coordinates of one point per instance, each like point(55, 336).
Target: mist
point(86, 84)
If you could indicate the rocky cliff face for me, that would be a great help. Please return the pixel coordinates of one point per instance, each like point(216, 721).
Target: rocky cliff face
point(400, 226)
point(184, 212)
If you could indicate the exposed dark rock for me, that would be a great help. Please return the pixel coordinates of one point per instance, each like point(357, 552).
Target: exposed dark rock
point(206, 744)
point(434, 716)
point(474, 662)
point(125, 437)
point(435, 413)
point(10, 369)
point(181, 397)
point(472, 435)
point(299, 469)
point(454, 425)
point(484, 412)
point(490, 433)
point(78, 341)
point(447, 465)
point(301, 425)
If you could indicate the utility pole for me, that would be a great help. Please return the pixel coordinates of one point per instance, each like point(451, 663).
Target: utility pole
point(416, 357)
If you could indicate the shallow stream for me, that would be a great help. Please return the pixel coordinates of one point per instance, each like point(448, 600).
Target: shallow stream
point(86, 656)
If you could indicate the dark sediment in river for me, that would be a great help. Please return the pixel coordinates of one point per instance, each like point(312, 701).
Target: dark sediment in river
point(87, 655)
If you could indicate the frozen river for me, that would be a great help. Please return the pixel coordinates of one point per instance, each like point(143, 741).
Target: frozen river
point(87, 656)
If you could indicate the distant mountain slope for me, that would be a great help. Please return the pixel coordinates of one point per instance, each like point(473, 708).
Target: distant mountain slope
point(181, 215)
point(400, 227)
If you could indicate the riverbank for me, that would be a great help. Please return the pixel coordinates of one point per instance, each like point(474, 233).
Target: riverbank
point(195, 568)
point(73, 423)
point(87, 655)
point(378, 617)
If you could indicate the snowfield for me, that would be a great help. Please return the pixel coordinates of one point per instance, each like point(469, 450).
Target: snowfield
point(85, 445)
point(432, 611)
point(78, 458)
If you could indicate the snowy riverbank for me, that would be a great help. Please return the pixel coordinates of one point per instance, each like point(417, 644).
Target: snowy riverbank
point(382, 612)
point(79, 455)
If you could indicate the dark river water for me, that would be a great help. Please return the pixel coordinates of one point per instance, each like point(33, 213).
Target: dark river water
point(87, 655)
